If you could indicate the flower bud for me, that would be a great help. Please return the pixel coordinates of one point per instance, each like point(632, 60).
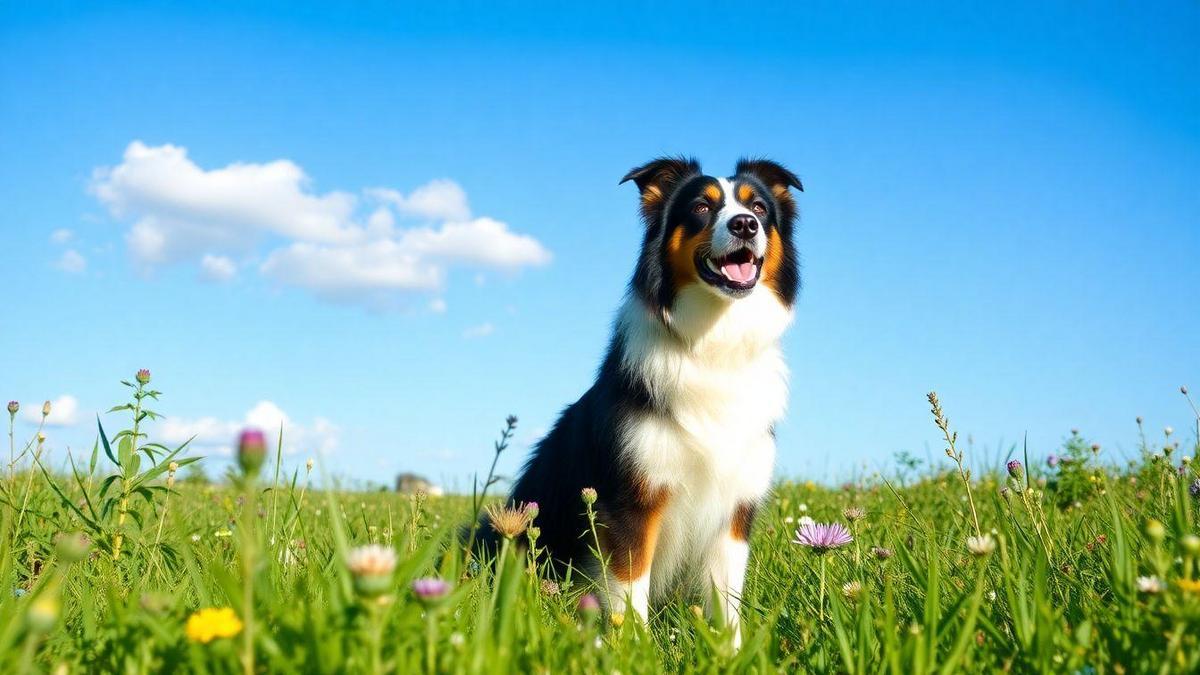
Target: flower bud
point(589, 495)
point(46, 410)
point(13, 407)
point(589, 604)
point(532, 510)
point(1015, 469)
point(143, 376)
point(43, 611)
point(1191, 544)
point(1139, 420)
point(1155, 530)
point(1183, 390)
point(252, 450)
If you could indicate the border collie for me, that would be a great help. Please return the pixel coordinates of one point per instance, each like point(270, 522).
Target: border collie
point(677, 433)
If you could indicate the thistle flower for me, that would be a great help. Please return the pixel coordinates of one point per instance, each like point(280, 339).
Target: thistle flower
point(252, 449)
point(589, 604)
point(1052, 461)
point(430, 589)
point(588, 495)
point(143, 376)
point(1016, 469)
point(851, 590)
point(1095, 448)
point(881, 553)
point(532, 510)
point(211, 623)
point(1194, 489)
point(13, 407)
point(822, 537)
point(549, 587)
point(509, 521)
point(372, 567)
point(853, 513)
point(981, 546)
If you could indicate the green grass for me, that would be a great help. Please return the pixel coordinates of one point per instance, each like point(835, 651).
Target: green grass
point(1059, 593)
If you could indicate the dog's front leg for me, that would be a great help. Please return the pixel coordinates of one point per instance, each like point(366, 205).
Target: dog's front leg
point(728, 568)
point(632, 537)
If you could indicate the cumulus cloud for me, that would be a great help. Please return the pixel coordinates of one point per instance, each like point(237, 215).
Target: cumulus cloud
point(339, 246)
point(64, 411)
point(218, 436)
point(61, 236)
point(72, 262)
point(217, 268)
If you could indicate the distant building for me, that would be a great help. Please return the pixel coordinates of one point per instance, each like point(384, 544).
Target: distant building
point(408, 483)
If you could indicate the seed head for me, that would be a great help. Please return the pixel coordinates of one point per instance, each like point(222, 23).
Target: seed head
point(851, 590)
point(981, 546)
point(143, 376)
point(372, 567)
point(1166, 430)
point(308, 466)
point(509, 521)
point(589, 495)
point(549, 587)
point(881, 553)
point(854, 513)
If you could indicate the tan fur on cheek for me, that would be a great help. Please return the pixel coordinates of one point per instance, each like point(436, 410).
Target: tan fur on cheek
point(681, 255)
point(774, 258)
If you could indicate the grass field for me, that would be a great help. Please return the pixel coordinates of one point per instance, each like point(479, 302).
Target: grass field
point(1083, 566)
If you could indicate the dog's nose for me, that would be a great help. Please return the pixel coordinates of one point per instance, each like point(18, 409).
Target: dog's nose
point(743, 226)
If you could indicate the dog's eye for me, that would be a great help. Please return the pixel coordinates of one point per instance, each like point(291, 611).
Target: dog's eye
point(700, 208)
point(759, 208)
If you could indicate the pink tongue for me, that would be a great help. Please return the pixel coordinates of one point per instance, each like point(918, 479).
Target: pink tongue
point(739, 272)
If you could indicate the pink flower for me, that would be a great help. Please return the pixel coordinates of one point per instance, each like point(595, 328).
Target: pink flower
point(822, 537)
point(430, 589)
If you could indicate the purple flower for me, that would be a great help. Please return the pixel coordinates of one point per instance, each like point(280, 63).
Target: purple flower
point(252, 450)
point(143, 376)
point(430, 589)
point(1194, 488)
point(589, 604)
point(1052, 460)
point(1015, 469)
point(13, 407)
point(822, 537)
point(532, 510)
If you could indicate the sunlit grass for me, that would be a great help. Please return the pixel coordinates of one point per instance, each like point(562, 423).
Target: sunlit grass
point(117, 562)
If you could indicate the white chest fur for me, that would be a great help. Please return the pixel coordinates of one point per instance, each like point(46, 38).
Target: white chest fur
point(719, 375)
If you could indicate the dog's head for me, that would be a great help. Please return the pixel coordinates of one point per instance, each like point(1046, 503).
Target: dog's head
point(731, 235)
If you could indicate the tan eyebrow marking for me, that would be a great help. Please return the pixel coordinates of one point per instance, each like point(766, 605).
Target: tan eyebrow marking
point(744, 192)
point(712, 192)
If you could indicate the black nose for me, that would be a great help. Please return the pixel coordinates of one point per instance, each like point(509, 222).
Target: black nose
point(743, 226)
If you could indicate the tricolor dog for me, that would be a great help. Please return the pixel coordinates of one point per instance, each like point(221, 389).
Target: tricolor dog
point(676, 435)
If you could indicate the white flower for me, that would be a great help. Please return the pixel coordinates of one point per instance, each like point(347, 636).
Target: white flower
point(805, 520)
point(195, 538)
point(981, 546)
point(1149, 585)
point(803, 508)
point(789, 520)
point(371, 560)
point(457, 639)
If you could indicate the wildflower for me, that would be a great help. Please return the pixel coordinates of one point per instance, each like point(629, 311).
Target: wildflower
point(805, 520)
point(46, 411)
point(991, 596)
point(1095, 448)
point(788, 520)
point(430, 589)
point(1015, 469)
point(1191, 544)
point(13, 407)
point(223, 532)
point(589, 604)
point(589, 495)
point(881, 553)
point(1194, 489)
point(252, 449)
point(211, 623)
point(617, 619)
point(1052, 461)
point(854, 513)
point(195, 538)
point(1155, 530)
point(533, 533)
point(143, 376)
point(549, 587)
point(1005, 492)
point(981, 546)
point(511, 420)
point(822, 537)
point(532, 510)
point(1166, 431)
point(1150, 585)
point(372, 567)
point(509, 521)
point(1189, 585)
point(851, 590)
point(803, 508)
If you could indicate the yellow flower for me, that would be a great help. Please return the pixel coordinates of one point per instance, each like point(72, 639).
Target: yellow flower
point(1190, 585)
point(211, 623)
point(617, 619)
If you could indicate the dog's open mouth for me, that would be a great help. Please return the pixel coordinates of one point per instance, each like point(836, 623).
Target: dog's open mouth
point(736, 272)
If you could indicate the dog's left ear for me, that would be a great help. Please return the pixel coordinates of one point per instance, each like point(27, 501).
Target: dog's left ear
point(775, 175)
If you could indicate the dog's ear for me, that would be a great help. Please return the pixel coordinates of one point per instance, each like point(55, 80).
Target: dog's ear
point(773, 174)
point(656, 178)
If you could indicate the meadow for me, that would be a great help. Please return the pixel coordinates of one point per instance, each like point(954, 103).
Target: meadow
point(121, 559)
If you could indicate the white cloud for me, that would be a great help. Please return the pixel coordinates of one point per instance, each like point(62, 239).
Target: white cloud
point(482, 330)
point(72, 262)
point(61, 236)
point(214, 435)
point(437, 306)
point(336, 245)
point(64, 411)
point(217, 268)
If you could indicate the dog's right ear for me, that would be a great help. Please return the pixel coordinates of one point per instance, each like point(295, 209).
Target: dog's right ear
point(656, 178)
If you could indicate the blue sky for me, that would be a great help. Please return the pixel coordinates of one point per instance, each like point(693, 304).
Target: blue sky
point(1001, 205)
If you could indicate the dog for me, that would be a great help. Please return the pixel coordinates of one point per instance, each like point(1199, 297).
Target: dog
point(676, 435)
